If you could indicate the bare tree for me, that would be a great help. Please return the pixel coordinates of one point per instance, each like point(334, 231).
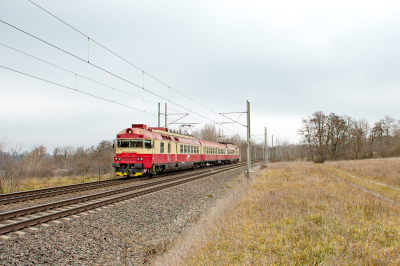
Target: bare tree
point(209, 133)
point(315, 134)
point(13, 163)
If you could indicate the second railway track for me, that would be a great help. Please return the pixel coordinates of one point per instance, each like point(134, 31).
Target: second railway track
point(47, 212)
point(22, 196)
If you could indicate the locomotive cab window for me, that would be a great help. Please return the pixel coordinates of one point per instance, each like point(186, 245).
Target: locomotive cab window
point(136, 143)
point(181, 148)
point(161, 147)
point(123, 143)
point(147, 144)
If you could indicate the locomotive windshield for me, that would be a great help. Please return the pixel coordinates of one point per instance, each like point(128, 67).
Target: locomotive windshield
point(123, 143)
point(136, 143)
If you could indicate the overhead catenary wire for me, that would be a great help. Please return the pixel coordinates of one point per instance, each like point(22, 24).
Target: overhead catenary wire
point(100, 68)
point(76, 74)
point(127, 61)
point(75, 89)
point(117, 55)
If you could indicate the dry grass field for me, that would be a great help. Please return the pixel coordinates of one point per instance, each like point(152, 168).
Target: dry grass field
point(295, 214)
point(386, 171)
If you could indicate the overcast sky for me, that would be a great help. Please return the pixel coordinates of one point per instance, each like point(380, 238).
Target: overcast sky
point(288, 58)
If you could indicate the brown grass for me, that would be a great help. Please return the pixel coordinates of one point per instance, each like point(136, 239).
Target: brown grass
point(45, 182)
point(380, 188)
point(293, 214)
point(386, 171)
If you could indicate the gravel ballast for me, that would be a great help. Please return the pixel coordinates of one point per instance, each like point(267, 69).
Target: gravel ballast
point(131, 232)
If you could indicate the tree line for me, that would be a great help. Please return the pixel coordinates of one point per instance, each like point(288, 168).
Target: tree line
point(340, 137)
point(16, 164)
point(323, 137)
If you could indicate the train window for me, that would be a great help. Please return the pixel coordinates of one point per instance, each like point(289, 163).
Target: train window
point(181, 148)
point(123, 143)
point(147, 144)
point(169, 147)
point(191, 148)
point(161, 147)
point(185, 147)
point(136, 143)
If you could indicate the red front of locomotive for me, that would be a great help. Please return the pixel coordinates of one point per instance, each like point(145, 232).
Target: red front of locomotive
point(134, 151)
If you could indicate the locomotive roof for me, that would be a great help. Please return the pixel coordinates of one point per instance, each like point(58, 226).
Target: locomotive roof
point(140, 133)
point(172, 134)
point(214, 144)
point(143, 133)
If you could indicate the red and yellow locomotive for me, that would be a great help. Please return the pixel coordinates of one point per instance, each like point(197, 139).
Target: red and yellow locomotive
point(141, 151)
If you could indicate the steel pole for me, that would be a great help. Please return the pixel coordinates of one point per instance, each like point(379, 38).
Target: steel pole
point(159, 114)
point(265, 145)
point(272, 151)
point(248, 139)
point(166, 123)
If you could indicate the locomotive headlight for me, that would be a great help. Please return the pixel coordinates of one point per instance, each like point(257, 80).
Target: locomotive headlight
point(137, 159)
point(119, 159)
point(141, 159)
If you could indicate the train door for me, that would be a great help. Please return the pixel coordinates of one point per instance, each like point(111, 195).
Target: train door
point(152, 151)
point(176, 153)
point(169, 151)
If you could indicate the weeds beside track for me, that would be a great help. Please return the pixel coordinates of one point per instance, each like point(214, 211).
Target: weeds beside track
point(99, 199)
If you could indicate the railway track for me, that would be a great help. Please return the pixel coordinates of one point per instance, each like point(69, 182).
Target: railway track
point(31, 216)
point(22, 196)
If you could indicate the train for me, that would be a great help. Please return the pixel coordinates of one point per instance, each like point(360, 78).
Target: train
point(142, 151)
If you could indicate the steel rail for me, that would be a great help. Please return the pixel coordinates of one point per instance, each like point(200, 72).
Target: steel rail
point(62, 203)
point(157, 186)
point(55, 191)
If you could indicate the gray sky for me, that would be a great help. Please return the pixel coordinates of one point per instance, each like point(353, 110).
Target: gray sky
point(288, 58)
